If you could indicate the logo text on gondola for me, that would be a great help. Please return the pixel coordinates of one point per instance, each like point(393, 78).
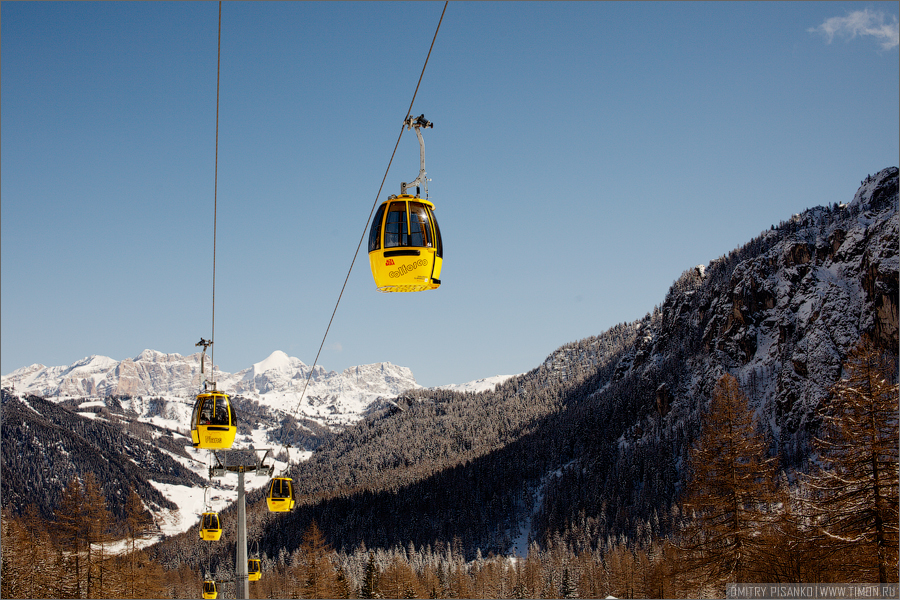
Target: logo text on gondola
point(213, 440)
point(404, 269)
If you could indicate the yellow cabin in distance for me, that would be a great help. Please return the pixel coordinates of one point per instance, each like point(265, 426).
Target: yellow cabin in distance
point(213, 421)
point(210, 527)
point(405, 248)
point(209, 590)
point(281, 495)
point(254, 571)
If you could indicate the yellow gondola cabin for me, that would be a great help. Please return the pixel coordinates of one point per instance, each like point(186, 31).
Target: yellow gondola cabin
point(405, 249)
point(254, 570)
point(213, 422)
point(209, 590)
point(210, 527)
point(281, 495)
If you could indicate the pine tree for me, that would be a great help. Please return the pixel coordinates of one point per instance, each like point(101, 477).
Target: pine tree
point(569, 588)
point(370, 579)
point(729, 497)
point(853, 497)
point(342, 586)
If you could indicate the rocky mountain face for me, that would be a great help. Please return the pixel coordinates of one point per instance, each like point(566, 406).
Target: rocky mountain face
point(276, 383)
point(780, 313)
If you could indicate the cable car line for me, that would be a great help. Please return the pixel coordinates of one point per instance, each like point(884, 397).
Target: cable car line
point(365, 229)
point(212, 355)
point(213, 422)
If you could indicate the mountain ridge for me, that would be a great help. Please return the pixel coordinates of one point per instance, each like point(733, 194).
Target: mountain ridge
point(275, 382)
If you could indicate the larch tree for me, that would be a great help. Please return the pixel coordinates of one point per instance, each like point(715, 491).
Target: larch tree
point(852, 497)
point(399, 580)
point(14, 573)
point(71, 537)
point(320, 578)
point(96, 531)
point(29, 556)
point(728, 500)
point(141, 575)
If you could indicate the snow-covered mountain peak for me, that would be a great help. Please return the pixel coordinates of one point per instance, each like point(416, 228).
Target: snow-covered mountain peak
point(278, 381)
point(874, 187)
point(91, 363)
point(156, 356)
point(277, 361)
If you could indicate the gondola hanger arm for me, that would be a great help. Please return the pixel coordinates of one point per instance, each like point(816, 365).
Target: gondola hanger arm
point(418, 123)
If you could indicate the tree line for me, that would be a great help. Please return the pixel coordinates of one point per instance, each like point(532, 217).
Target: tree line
point(77, 553)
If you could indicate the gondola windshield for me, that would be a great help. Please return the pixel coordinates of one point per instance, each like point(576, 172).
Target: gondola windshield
point(405, 248)
point(254, 570)
point(210, 528)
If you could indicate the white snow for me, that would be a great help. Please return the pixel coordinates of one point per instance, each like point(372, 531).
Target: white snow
point(479, 385)
point(277, 361)
point(92, 404)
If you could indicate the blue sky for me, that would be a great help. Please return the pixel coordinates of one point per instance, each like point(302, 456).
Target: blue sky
point(583, 156)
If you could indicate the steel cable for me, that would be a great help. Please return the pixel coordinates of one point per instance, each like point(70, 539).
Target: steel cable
point(363, 236)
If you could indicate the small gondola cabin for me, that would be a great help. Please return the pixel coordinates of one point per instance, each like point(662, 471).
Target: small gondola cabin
point(210, 527)
point(254, 570)
point(405, 248)
point(213, 422)
point(209, 590)
point(281, 495)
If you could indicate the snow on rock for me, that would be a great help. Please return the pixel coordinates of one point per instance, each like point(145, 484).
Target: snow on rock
point(276, 382)
point(479, 385)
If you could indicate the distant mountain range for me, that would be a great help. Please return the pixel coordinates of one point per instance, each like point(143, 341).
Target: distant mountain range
point(98, 410)
point(332, 398)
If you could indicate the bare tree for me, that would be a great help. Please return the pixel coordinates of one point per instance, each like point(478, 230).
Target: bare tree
point(319, 576)
point(852, 497)
point(729, 498)
point(70, 534)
